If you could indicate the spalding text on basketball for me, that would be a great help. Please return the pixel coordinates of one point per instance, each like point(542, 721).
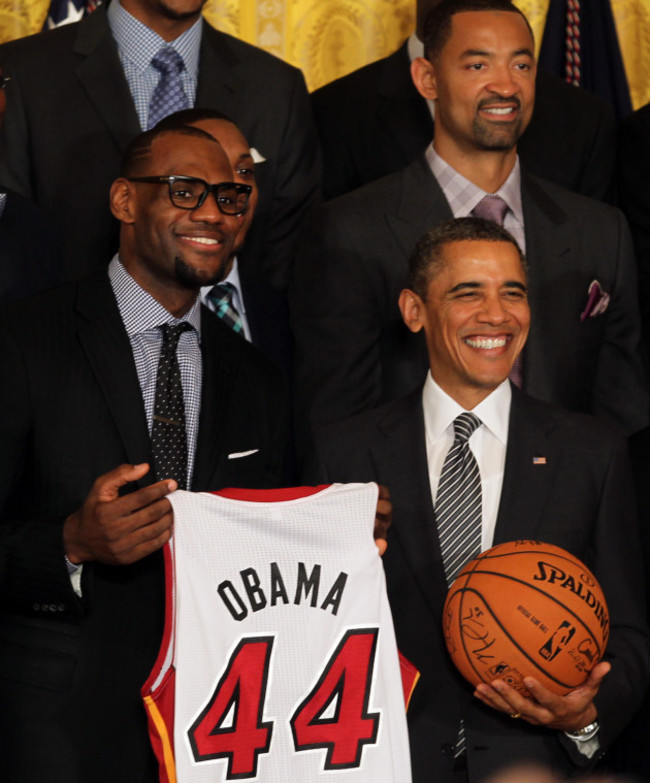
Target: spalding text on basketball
point(554, 575)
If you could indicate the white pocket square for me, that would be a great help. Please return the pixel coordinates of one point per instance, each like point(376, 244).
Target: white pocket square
point(239, 454)
point(257, 156)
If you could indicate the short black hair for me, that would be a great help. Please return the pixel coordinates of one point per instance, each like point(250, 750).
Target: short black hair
point(437, 26)
point(190, 116)
point(427, 259)
point(139, 149)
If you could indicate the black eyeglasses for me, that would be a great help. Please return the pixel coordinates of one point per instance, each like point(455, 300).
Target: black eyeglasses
point(3, 81)
point(191, 192)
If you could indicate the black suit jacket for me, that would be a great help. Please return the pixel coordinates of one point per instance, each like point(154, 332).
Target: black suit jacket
point(31, 253)
point(71, 668)
point(581, 499)
point(373, 122)
point(353, 351)
point(634, 197)
point(70, 116)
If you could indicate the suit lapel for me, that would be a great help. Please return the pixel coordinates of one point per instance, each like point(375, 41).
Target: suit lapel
point(218, 369)
point(220, 83)
point(532, 461)
point(101, 75)
point(548, 247)
point(401, 462)
point(401, 107)
point(422, 205)
point(108, 350)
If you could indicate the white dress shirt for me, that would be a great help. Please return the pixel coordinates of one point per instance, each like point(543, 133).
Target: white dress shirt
point(488, 443)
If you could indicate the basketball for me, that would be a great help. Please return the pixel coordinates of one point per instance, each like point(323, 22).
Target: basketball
point(526, 609)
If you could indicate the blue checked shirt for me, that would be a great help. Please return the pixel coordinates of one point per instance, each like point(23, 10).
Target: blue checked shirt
point(464, 195)
point(141, 315)
point(137, 45)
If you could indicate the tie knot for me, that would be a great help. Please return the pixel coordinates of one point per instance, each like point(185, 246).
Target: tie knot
point(464, 426)
point(492, 208)
point(222, 293)
point(172, 332)
point(168, 61)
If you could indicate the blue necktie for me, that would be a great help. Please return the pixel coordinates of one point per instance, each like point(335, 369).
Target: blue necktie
point(169, 95)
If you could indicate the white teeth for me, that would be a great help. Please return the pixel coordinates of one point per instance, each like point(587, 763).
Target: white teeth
point(486, 342)
point(504, 110)
point(203, 240)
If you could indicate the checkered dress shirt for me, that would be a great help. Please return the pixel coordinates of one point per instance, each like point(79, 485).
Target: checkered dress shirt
point(137, 44)
point(464, 195)
point(3, 203)
point(141, 315)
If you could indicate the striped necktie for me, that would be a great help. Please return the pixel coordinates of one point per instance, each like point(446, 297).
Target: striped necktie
point(458, 512)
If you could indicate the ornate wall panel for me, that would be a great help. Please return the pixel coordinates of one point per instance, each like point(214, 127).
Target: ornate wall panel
point(329, 38)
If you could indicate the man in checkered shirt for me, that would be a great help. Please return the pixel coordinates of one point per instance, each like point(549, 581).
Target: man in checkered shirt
point(83, 512)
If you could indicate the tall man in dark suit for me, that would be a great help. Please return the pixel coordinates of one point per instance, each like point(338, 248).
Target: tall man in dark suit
point(374, 121)
point(352, 349)
point(31, 257)
point(80, 93)
point(83, 512)
point(542, 473)
point(243, 299)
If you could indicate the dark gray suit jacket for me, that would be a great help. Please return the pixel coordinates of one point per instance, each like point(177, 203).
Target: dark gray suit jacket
point(71, 669)
point(373, 122)
point(353, 351)
point(70, 116)
point(581, 499)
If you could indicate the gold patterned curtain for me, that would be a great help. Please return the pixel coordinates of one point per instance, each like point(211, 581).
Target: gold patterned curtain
point(329, 38)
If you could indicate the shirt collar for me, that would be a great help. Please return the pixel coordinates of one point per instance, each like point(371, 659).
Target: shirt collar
point(464, 195)
point(440, 410)
point(415, 47)
point(140, 312)
point(139, 43)
point(3, 203)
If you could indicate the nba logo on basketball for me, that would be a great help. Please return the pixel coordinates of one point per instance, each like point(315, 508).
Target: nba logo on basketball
point(557, 641)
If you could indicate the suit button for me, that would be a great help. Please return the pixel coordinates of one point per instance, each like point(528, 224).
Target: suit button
point(447, 749)
point(60, 608)
point(36, 607)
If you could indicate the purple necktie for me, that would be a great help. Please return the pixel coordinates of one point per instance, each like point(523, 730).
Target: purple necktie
point(494, 208)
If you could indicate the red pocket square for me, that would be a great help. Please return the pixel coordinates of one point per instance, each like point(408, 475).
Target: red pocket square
point(597, 301)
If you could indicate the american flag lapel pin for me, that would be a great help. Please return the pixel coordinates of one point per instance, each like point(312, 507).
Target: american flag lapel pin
point(539, 460)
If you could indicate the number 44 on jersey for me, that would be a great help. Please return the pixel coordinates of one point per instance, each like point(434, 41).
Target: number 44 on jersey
point(231, 725)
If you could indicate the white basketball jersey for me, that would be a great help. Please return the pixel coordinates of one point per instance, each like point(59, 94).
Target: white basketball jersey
point(279, 660)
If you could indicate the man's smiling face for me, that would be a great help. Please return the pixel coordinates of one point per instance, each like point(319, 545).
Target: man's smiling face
point(484, 82)
point(475, 317)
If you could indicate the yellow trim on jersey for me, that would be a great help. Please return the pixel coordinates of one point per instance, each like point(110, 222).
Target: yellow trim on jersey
point(168, 750)
point(413, 684)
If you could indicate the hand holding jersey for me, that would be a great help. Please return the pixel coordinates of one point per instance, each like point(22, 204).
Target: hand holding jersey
point(118, 530)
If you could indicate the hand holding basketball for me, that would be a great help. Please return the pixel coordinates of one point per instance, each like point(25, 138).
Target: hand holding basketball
point(543, 707)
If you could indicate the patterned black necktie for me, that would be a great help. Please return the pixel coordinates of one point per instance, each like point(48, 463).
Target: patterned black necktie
point(458, 512)
point(168, 436)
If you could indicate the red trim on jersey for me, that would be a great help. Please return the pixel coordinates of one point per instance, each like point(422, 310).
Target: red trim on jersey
point(169, 621)
point(410, 676)
point(159, 707)
point(269, 495)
